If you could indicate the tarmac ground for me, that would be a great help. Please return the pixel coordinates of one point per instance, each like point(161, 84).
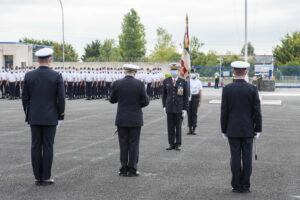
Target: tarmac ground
point(86, 160)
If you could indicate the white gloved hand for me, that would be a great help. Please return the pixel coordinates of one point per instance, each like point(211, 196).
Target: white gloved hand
point(59, 123)
point(165, 110)
point(184, 112)
point(257, 136)
point(224, 136)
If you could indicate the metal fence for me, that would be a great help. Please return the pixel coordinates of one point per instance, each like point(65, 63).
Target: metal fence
point(285, 77)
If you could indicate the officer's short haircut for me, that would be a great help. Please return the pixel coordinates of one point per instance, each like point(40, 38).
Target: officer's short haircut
point(239, 72)
point(130, 71)
point(44, 59)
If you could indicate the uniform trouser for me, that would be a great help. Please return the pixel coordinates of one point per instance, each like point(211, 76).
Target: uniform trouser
point(217, 83)
point(94, 90)
point(70, 90)
point(17, 90)
point(149, 89)
point(174, 121)
point(82, 90)
point(160, 89)
point(129, 140)
point(193, 110)
point(6, 89)
point(66, 90)
point(42, 150)
point(22, 84)
point(76, 90)
point(12, 89)
point(99, 90)
point(241, 162)
point(88, 89)
point(156, 91)
point(3, 89)
point(102, 91)
point(108, 89)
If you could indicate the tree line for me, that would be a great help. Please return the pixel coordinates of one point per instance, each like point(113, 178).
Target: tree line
point(131, 47)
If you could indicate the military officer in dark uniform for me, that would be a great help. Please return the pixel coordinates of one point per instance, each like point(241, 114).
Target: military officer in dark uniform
point(43, 101)
point(241, 122)
point(130, 94)
point(175, 103)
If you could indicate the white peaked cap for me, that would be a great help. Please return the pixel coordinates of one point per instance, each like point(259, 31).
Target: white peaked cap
point(131, 67)
point(240, 64)
point(44, 52)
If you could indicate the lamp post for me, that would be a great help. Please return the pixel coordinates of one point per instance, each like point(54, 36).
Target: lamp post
point(63, 33)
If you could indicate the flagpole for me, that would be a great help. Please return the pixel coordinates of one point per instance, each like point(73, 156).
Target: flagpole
point(246, 30)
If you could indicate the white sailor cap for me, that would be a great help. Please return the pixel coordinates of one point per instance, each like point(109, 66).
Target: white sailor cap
point(44, 53)
point(174, 66)
point(131, 67)
point(240, 64)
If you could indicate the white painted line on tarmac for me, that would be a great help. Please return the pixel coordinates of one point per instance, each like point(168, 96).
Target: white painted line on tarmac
point(280, 94)
point(263, 102)
point(80, 148)
point(295, 196)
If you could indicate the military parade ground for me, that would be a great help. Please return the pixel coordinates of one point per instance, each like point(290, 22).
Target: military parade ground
point(87, 154)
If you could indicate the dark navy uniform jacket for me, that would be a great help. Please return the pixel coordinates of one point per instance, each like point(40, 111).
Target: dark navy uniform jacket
point(240, 110)
point(43, 97)
point(130, 94)
point(173, 100)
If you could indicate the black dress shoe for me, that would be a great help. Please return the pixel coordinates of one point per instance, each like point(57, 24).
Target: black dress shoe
point(38, 182)
point(170, 148)
point(234, 190)
point(123, 173)
point(246, 191)
point(133, 174)
point(48, 182)
point(178, 148)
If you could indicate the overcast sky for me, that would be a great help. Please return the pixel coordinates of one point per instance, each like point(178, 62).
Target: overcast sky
point(217, 23)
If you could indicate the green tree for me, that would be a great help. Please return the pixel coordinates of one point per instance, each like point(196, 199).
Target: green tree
point(250, 49)
point(109, 51)
point(70, 53)
point(132, 40)
point(165, 49)
point(92, 52)
point(195, 46)
point(229, 58)
point(289, 50)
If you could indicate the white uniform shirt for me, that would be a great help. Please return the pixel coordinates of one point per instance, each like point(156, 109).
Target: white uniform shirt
point(89, 77)
point(3, 75)
point(108, 77)
point(11, 77)
point(148, 78)
point(195, 86)
point(69, 77)
point(22, 75)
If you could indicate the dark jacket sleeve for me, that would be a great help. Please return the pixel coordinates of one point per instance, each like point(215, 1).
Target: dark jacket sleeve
point(144, 97)
point(61, 98)
point(113, 95)
point(164, 94)
point(186, 96)
point(257, 118)
point(25, 97)
point(224, 111)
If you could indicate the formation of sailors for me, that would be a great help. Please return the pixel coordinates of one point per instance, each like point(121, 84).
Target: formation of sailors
point(83, 83)
point(11, 82)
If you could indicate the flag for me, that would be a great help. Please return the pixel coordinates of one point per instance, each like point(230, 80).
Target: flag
point(185, 58)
